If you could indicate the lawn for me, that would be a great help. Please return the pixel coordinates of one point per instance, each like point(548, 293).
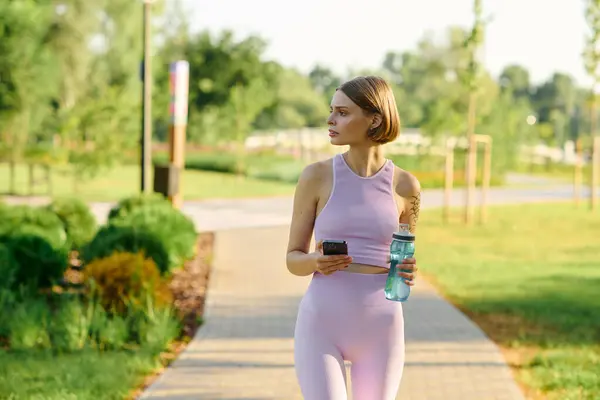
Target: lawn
point(77, 376)
point(125, 181)
point(531, 279)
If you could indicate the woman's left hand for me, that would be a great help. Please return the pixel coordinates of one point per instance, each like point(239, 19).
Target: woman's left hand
point(408, 270)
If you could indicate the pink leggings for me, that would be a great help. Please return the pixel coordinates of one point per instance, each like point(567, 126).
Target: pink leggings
point(345, 316)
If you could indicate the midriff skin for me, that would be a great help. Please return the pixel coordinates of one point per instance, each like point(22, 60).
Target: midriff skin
point(364, 269)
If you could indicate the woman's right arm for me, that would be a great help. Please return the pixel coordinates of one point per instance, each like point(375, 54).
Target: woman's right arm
point(299, 261)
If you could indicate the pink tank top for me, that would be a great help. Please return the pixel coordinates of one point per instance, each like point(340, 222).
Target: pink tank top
point(362, 211)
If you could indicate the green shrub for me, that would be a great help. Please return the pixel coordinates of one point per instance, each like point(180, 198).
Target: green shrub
point(24, 219)
point(69, 326)
point(174, 229)
point(111, 239)
point(129, 204)
point(8, 302)
point(40, 264)
point(28, 325)
point(124, 280)
point(154, 328)
point(77, 218)
point(109, 332)
point(8, 268)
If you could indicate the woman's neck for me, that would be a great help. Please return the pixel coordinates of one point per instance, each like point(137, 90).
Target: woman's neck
point(365, 161)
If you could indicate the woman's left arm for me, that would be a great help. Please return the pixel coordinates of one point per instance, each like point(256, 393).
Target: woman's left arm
point(409, 190)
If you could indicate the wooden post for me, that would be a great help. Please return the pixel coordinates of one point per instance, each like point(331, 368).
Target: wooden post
point(31, 178)
point(179, 84)
point(48, 180)
point(12, 184)
point(486, 178)
point(471, 162)
point(449, 178)
point(577, 179)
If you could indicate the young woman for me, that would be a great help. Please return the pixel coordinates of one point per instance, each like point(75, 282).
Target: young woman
point(360, 197)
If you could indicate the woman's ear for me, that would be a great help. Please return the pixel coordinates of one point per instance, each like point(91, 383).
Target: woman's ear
point(376, 122)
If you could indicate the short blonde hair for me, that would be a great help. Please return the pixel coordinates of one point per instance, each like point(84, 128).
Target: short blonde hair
point(374, 95)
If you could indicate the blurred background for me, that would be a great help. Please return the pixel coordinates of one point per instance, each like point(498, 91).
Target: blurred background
point(261, 77)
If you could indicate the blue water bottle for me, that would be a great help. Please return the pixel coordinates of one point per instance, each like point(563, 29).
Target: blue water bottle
point(402, 247)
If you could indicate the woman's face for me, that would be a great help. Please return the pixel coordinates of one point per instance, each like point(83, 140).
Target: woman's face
point(348, 123)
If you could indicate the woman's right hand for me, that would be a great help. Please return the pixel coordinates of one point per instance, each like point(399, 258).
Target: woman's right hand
point(327, 265)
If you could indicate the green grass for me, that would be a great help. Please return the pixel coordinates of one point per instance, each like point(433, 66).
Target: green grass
point(78, 376)
point(531, 279)
point(564, 173)
point(124, 181)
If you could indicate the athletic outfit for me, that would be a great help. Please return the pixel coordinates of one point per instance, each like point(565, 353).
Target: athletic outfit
point(345, 316)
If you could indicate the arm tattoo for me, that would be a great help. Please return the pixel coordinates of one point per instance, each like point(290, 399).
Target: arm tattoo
point(413, 212)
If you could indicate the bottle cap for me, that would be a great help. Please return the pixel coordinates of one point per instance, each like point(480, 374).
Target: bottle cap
point(404, 233)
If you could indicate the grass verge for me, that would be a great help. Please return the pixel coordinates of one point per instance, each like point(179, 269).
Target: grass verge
point(124, 181)
point(530, 278)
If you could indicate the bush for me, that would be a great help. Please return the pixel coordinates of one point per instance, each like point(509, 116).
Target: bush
point(28, 324)
point(123, 281)
point(156, 327)
point(175, 231)
point(111, 239)
point(40, 264)
point(77, 219)
point(23, 219)
point(69, 327)
point(130, 204)
point(109, 332)
point(8, 267)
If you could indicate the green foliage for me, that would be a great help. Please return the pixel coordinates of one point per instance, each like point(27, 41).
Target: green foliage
point(171, 227)
point(156, 327)
point(8, 267)
point(77, 218)
point(129, 204)
point(28, 324)
point(265, 165)
point(24, 219)
point(70, 325)
point(40, 263)
point(110, 239)
point(591, 53)
point(124, 280)
point(109, 331)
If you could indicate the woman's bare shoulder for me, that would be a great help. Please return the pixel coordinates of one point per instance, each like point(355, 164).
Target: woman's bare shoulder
point(407, 185)
point(316, 172)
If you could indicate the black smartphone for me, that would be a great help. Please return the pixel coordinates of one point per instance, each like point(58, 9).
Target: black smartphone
point(335, 247)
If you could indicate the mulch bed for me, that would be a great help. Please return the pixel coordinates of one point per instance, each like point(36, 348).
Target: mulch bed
point(189, 285)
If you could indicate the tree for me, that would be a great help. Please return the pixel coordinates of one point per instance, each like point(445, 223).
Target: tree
point(296, 103)
point(27, 74)
point(471, 78)
point(515, 79)
point(592, 64)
